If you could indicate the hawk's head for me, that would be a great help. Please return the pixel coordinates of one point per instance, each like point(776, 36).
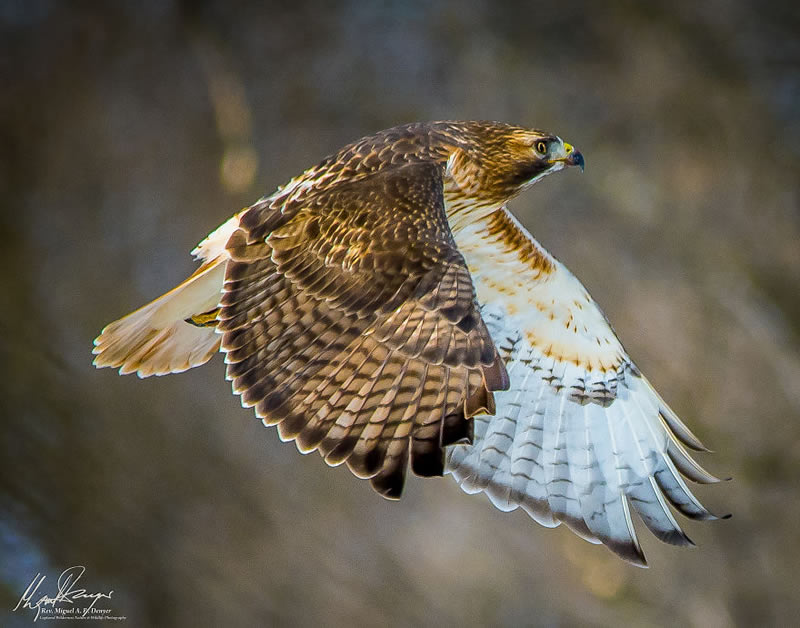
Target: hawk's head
point(487, 163)
point(494, 162)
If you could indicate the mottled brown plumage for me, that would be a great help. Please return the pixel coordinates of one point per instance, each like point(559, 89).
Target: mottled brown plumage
point(348, 316)
point(353, 325)
point(375, 308)
point(508, 237)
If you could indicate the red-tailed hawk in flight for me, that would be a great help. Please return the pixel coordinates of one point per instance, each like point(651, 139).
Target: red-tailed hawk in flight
point(385, 308)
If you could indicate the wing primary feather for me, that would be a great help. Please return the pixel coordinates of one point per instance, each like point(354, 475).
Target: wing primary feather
point(687, 466)
point(626, 544)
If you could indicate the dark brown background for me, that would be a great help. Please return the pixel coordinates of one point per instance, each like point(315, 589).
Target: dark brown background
point(128, 130)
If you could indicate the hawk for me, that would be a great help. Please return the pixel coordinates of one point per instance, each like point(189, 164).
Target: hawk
point(385, 309)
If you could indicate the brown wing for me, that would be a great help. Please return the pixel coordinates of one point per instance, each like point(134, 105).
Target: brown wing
point(353, 326)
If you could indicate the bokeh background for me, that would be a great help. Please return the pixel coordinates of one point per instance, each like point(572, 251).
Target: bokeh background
point(128, 130)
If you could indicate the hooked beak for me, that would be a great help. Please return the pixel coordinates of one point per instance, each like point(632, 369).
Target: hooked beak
point(572, 158)
point(575, 159)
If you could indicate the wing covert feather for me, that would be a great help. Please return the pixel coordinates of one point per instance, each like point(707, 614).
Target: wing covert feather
point(353, 308)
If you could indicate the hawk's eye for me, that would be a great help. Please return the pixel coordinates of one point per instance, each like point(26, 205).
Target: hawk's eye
point(541, 148)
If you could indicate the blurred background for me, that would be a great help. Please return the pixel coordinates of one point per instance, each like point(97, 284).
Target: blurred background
point(129, 130)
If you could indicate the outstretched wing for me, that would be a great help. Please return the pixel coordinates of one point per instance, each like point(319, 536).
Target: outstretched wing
point(349, 320)
point(581, 435)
